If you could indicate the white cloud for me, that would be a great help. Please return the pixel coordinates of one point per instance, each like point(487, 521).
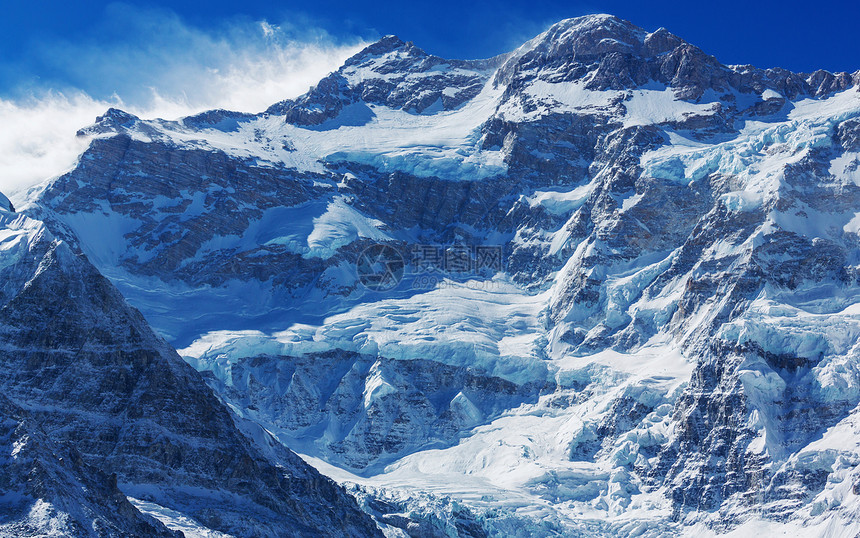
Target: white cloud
point(37, 137)
point(172, 71)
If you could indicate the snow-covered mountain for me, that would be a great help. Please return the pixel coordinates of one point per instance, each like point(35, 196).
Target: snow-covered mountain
point(629, 301)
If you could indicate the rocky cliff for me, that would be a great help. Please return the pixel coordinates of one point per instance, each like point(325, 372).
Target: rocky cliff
point(97, 408)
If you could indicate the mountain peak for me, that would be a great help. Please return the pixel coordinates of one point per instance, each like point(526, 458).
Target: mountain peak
point(590, 37)
point(112, 120)
point(595, 20)
point(626, 268)
point(606, 52)
point(385, 45)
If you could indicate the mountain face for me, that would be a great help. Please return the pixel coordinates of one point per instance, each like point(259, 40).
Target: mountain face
point(626, 301)
point(96, 407)
point(46, 494)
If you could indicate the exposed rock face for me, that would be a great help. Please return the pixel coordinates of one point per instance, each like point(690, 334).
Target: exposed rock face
point(671, 331)
point(50, 490)
point(609, 53)
point(88, 370)
point(411, 404)
point(164, 238)
point(234, 194)
point(390, 73)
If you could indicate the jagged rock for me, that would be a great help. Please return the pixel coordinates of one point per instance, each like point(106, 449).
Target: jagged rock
point(48, 489)
point(372, 410)
point(90, 372)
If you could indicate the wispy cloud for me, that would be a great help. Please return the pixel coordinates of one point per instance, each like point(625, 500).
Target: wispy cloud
point(155, 65)
point(37, 137)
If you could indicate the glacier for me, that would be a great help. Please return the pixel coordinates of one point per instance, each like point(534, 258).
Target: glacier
point(670, 346)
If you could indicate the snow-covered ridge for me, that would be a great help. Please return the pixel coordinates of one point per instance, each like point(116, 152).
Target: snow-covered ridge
point(394, 107)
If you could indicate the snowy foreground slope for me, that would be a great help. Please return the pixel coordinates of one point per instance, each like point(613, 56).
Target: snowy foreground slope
point(668, 341)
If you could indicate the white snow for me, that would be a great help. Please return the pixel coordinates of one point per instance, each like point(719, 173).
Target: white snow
point(176, 521)
point(443, 144)
point(847, 167)
point(491, 325)
point(640, 107)
point(559, 202)
point(648, 107)
point(758, 155)
point(521, 462)
point(340, 225)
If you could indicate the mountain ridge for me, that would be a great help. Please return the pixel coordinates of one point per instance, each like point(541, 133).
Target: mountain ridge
point(668, 338)
point(82, 370)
